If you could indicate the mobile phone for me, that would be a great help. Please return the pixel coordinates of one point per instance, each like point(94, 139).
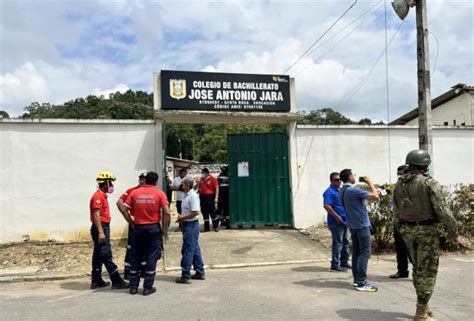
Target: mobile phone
point(361, 179)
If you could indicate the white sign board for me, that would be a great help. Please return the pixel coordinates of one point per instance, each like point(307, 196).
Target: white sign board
point(243, 169)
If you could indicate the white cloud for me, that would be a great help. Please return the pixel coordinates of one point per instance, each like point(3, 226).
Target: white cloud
point(57, 51)
point(106, 92)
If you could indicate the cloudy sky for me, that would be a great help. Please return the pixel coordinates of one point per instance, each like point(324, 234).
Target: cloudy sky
point(54, 51)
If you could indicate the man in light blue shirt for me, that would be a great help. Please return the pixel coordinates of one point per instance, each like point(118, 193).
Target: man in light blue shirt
point(353, 200)
point(189, 219)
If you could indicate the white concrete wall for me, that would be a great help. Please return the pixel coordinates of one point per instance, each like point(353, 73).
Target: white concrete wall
point(48, 171)
point(459, 109)
point(48, 168)
point(373, 151)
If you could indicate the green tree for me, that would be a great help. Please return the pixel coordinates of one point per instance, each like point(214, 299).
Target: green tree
point(325, 116)
point(4, 114)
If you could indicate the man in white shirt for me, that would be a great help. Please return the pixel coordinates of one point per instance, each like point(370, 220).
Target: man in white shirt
point(189, 220)
point(175, 186)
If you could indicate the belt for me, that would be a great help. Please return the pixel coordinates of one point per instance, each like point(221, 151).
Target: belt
point(414, 223)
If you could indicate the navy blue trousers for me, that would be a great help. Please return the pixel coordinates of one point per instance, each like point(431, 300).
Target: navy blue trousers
point(146, 251)
point(208, 208)
point(102, 254)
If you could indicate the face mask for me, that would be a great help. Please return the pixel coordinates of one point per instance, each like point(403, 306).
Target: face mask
point(110, 190)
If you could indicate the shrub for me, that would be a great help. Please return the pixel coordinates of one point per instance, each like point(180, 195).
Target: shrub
point(460, 199)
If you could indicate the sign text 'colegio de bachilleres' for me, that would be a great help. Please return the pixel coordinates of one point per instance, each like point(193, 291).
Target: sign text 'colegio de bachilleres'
point(182, 90)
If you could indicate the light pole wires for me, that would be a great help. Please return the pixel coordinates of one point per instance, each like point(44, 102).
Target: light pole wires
point(317, 40)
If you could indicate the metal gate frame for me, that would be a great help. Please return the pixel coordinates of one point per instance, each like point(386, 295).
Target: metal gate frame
point(264, 196)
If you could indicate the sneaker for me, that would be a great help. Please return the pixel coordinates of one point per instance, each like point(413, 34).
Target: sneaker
point(183, 280)
point(367, 288)
point(346, 265)
point(338, 269)
point(354, 285)
point(149, 291)
point(120, 285)
point(97, 285)
point(198, 276)
point(133, 290)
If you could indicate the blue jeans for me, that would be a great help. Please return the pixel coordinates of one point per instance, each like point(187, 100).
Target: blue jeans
point(191, 252)
point(340, 244)
point(361, 249)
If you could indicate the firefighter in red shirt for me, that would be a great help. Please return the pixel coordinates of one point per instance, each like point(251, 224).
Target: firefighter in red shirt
point(208, 195)
point(145, 204)
point(100, 232)
point(120, 202)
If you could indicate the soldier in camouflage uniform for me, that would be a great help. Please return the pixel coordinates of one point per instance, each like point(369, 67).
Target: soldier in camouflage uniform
point(418, 205)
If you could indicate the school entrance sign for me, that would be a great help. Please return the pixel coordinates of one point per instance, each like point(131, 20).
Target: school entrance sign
point(207, 91)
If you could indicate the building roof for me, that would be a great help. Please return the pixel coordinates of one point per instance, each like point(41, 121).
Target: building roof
point(455, 91)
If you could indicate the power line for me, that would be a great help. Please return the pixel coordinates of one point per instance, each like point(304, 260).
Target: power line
point(343, 38)
point(437, 51)
point(314, 43)
point(388, 96)
point(349, 24)
point(364, 79)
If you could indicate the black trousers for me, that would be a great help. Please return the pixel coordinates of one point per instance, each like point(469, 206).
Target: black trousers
point(208, 208)
point(402, 252)
point(146, 251)
point(102, 254)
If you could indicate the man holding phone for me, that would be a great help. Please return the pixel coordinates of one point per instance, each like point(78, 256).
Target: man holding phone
point(353, 200)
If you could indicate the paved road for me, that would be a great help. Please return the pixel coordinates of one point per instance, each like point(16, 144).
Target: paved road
point(288, 292)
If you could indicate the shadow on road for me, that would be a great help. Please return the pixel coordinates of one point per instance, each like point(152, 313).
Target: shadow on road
point(325, 284)
point(76, 286)
point(310, 269)
point(372, 314)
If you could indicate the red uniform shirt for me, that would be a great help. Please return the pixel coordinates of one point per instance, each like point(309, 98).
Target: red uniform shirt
point(124, 196)
point(145, 204)
point(99, 201)
point(208, 186)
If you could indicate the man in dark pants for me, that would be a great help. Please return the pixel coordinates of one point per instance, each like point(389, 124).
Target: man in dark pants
point(400, 247)
point(353, 200)
point(100, 233)
point(223, 202)
point(120, 201)
point(190, 251)
point(145, 204)
point(209, 195)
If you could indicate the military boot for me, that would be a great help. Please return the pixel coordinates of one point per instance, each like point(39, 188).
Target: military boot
point(422, 313)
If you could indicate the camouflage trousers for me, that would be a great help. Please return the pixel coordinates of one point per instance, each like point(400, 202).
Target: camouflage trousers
point(422, 242)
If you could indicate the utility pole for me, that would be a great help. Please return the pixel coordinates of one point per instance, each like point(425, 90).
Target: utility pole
point(425, 138)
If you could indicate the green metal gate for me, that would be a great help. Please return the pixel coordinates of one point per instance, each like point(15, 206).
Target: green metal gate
point(259, 183)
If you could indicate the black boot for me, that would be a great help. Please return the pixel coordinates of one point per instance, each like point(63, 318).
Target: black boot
point(399, 275)
point(118, 282)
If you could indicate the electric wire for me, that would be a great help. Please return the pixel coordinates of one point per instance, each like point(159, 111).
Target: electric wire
point(364, 79)
point(341, 40)
point(378, 4)
point(437, 51)
point(388, 96)
point(324, 33)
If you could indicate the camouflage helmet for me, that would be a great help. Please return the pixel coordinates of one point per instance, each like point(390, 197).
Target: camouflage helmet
point(418, 157)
